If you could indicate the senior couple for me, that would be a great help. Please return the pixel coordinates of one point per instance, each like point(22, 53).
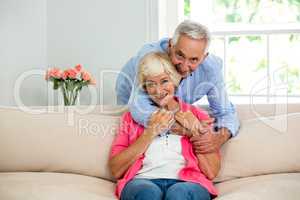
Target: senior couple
point(166, 148)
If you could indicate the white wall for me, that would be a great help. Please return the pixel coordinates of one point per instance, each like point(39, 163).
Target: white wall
point(170, 13)
point(101, 35)
point(22, 47)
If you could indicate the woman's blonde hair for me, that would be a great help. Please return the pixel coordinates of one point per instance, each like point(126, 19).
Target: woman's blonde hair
point(155, 63)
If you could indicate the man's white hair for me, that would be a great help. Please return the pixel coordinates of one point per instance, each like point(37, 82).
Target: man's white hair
point(193, 30)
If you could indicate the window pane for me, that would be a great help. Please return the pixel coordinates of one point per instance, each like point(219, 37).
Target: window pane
point(285, 64)
point(246, 65)
point(217, 48)
point(256, 11)
point(187, 9)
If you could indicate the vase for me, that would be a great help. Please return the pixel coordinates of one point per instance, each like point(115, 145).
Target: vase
point(70, 93)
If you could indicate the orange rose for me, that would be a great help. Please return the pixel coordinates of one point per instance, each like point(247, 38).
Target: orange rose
point(85, 75)
point(72, 73)
point(54, 73)
point(78, 67)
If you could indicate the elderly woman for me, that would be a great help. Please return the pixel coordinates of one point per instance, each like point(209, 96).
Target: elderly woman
point(153, 162)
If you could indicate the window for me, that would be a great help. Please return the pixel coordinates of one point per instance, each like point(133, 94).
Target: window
point(259, 42)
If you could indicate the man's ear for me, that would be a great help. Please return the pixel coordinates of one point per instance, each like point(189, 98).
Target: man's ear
point(206, 54)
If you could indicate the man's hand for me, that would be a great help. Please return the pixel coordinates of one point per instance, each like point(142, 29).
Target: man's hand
point(210, 142)
point(187, 119)
point(190, 122)
point(178, 129)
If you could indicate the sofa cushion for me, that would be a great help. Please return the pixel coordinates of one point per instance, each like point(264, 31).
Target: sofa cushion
point(75, 143)
point(263, 146)
point(50, 186)
point(273, 186)
point(56, 142)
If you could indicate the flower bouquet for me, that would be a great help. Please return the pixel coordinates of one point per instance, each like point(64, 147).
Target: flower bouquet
point(70, 81)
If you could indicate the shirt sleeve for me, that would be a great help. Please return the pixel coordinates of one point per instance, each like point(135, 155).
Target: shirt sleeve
point(222, 109)
point(141, 107)
point(125, 82)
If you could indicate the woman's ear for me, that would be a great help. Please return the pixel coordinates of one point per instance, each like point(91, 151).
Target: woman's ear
point(170, 43)
point(143, 87)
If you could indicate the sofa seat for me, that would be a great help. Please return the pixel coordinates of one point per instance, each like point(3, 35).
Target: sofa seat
point(264, 187)
point(58, 186)
point(54, 186)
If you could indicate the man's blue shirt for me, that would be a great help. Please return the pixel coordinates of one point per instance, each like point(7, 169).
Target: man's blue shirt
point(206, 80)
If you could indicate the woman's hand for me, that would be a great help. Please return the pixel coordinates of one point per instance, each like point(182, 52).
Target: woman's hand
point(160, 121)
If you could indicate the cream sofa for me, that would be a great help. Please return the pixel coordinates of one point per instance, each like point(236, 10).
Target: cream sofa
point(49, 153)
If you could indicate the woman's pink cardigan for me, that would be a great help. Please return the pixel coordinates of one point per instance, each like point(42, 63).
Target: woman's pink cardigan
point(129, 131)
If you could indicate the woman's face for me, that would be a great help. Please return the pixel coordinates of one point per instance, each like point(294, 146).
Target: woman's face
point(160, 88)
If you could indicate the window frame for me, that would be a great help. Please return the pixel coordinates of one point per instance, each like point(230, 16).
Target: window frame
point(226, 31)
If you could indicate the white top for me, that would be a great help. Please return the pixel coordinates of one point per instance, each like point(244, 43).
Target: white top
point(163, 158)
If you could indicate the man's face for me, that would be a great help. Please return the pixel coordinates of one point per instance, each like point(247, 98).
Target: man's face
point(187, 54)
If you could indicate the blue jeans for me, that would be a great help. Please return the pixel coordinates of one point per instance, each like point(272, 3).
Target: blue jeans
point(167, 189)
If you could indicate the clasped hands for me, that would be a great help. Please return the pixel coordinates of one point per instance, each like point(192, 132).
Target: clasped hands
point(200, 133)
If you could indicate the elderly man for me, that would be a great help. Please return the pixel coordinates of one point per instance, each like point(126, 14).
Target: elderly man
point(202, 76)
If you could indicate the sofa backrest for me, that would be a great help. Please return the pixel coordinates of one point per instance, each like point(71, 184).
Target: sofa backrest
point(253, 111)
point(70, 142)
point(263, 146)
point(57, 141)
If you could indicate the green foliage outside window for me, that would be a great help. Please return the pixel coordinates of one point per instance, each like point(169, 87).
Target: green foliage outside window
point(252, 11)
point(259, 12)
point(187, 8)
